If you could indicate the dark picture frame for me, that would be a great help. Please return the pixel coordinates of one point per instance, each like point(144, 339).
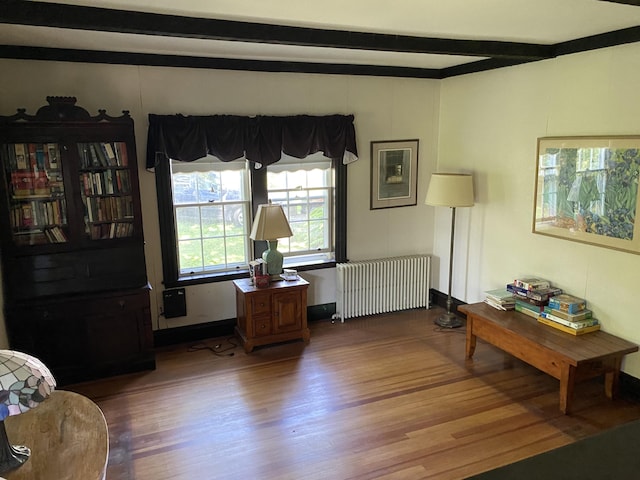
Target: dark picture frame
point(394, 173)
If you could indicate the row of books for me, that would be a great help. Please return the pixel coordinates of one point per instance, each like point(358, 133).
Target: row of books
point(40, 237)
point(547, 304)
point(38, 214)
point(36, 184)
point(33, 156)
point(105, 182)
point(103, 154)
point(110, 230)
point(107, 209)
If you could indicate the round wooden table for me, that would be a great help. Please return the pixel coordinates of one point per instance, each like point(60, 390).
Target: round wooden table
point(68, 438)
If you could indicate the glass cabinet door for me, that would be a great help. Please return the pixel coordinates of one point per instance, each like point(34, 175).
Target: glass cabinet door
point(105, 187)
point(38, 210)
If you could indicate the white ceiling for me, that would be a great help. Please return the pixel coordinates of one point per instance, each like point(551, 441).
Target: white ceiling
point(542, 22)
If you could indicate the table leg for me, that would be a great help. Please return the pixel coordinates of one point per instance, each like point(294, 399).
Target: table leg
point(470, 346)
point(567, 383)
point(611, 378)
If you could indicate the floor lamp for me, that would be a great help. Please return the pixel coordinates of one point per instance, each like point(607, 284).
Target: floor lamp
point(450, 190)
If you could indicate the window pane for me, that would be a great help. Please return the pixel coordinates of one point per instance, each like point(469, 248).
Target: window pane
point(184, 189)
point(212, 225)
point(300, 239)
point(234, 215)
point(318, 234)
point(214, 254)
point(277, 181)
point(188, 223)
point(190, 255)
point(236, 247)
point(208, 184)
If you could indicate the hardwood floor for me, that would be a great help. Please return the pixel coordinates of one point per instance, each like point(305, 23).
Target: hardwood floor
point(389, 397)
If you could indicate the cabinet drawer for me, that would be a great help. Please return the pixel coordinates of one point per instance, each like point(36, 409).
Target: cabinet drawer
point(262, 325)
point(261, 304)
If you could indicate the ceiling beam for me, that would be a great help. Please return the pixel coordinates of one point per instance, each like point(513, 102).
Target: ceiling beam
point(123, 21)
point(157, 60)
point(624, 2)
point(594, 42)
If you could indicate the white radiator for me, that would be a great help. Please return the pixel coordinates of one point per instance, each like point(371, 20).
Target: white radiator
point(368, 287)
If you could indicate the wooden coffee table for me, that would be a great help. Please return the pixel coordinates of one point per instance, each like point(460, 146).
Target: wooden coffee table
point(568, 358)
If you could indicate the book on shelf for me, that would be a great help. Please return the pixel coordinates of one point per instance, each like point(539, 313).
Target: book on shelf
point(122, 158)
point(531, 283)
point(572, 331)
point(575, 325)
point(544, 294)
point(521, 295)
point(527, 311)
point(53, 154)
point(525, 303)
point(572, 317)
point(500, 295)
point(567, 303)
point(21, 156)
point(109, 153)
point(500, 298)
point(499, 306)
point(521, 292)
point(541, 294)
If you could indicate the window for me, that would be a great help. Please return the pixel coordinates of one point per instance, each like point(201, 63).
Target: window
point(206, 207)
point(210, 204)
point(305, 191)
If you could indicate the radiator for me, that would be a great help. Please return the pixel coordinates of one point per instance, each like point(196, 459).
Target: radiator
point(368, 287)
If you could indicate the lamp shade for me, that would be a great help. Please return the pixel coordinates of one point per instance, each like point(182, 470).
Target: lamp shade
point(450, 190)
point(270, 223)
point(24, 382)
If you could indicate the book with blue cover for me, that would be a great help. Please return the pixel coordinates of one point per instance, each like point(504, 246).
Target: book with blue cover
point(567, 303)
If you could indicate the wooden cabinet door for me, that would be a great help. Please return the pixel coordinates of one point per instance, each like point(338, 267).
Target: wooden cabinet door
point(287, 311)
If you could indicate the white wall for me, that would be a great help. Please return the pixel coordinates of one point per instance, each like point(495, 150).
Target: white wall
point(489, 125)
point(486, 124)
point(384, 109)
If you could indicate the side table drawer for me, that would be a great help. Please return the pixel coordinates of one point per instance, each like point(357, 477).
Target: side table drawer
point(262, 325)
point(261, 304)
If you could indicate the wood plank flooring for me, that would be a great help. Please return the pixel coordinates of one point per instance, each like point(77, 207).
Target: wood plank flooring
point(384, 397)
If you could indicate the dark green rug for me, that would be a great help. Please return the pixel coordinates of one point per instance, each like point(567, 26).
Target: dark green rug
point(613, 454)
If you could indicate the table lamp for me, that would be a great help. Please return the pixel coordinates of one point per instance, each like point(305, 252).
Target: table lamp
point(271, 224)
point(450, 190)
point(24, 383)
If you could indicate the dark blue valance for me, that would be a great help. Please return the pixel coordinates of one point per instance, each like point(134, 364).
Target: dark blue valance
point(259, 139)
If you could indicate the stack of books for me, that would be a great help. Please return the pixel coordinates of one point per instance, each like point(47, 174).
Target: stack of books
point(570, 314)
point(500, 299)
point(532, 294)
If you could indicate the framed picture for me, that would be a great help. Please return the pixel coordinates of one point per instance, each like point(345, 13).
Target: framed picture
point(394, 173)
point(587, 190)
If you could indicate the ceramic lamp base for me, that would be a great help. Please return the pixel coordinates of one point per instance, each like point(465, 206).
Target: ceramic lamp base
point(273, 258)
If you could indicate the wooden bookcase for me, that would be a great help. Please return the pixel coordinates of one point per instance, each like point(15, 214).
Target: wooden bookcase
point(74, 276)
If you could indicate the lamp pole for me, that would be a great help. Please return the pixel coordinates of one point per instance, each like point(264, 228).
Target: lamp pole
point(450, 320)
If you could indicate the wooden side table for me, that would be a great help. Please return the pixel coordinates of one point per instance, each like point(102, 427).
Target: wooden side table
point(272, 314)
point(68, 438)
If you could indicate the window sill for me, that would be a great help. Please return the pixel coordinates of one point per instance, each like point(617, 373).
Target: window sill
point(242, 273)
